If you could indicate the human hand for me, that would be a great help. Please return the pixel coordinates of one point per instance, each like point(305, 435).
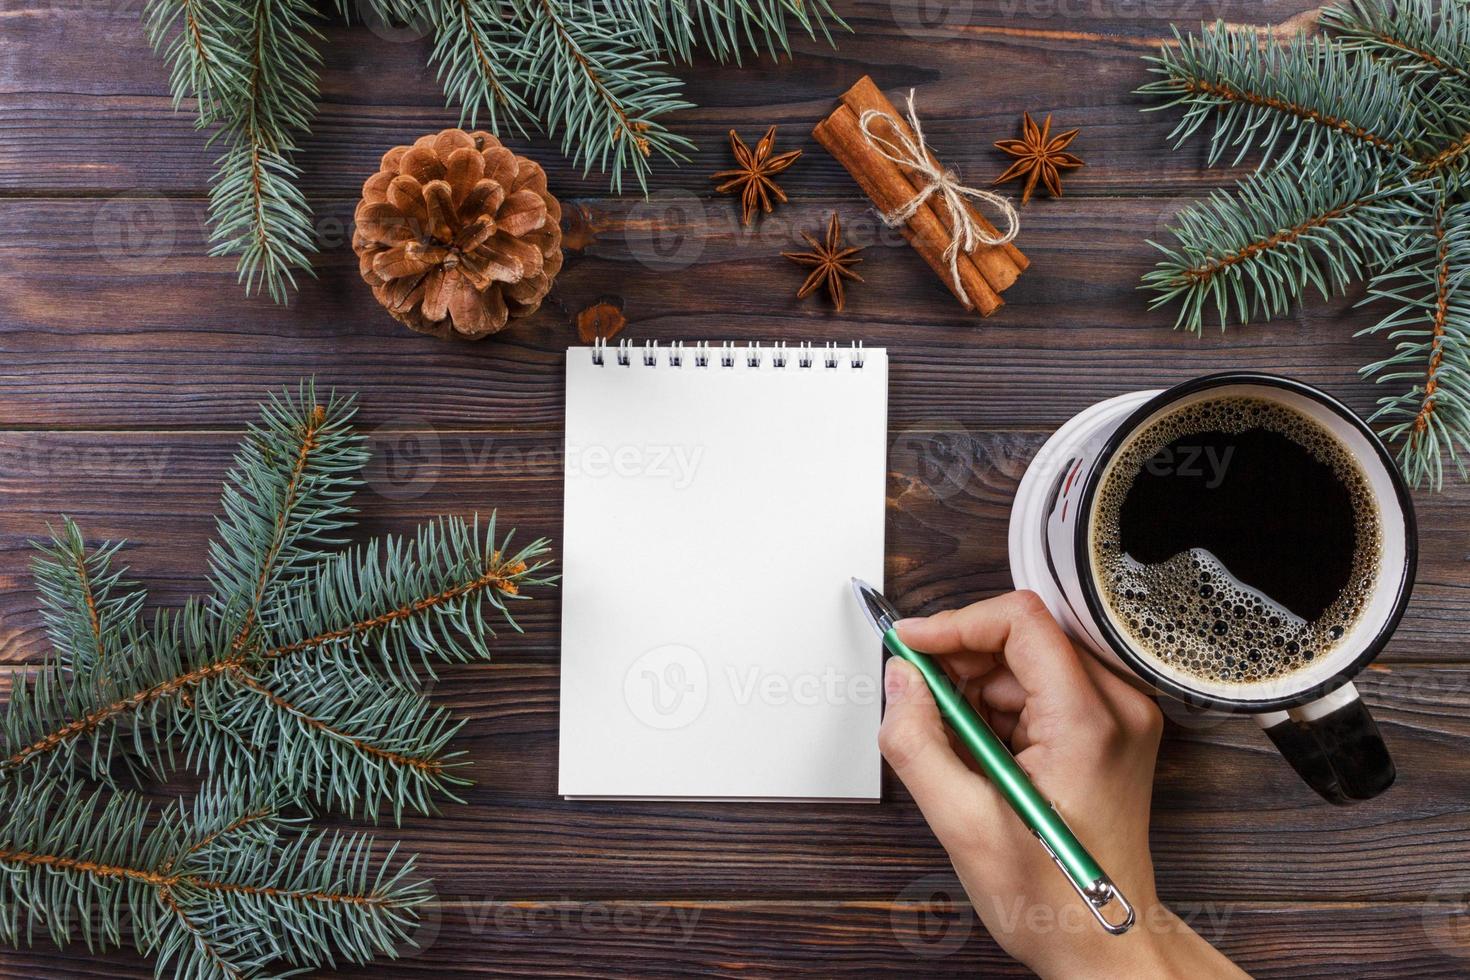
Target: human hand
point(1087, 739)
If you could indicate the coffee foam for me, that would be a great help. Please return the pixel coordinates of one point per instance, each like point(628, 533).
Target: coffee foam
point(1189, 612)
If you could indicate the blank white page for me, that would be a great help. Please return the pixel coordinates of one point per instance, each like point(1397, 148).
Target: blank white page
point(711, 646)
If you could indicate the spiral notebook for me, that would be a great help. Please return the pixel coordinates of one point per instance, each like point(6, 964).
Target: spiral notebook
point(718, 500)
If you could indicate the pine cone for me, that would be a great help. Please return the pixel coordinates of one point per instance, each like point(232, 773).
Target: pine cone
point(456, 234)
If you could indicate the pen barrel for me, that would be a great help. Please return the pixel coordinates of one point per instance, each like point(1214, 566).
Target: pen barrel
point(1002, 768)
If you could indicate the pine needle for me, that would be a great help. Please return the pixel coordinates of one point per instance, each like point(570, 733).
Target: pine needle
point(1363, 138)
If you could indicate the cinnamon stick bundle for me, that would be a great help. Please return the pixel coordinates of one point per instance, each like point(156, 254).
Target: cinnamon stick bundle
point(985, 273)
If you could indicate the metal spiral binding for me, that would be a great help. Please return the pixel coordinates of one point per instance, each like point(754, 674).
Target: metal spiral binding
point(806, 353)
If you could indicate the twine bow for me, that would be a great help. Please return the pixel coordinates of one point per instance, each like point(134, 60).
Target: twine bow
point(912, 154)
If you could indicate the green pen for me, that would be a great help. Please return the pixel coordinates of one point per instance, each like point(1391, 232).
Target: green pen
point(1040, 816)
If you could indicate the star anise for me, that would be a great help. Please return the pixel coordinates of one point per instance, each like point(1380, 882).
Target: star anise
point(831, 262)
point(752, 180)
point(1039, 157)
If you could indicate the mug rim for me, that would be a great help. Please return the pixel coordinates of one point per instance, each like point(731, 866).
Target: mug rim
point(1141, 665)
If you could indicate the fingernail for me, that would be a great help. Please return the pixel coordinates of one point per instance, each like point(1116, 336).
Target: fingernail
point(895, 678)
point(909, 621)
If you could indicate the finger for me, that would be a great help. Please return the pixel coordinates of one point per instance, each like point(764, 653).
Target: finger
point(1003, 723)
point(914, 741)
point(1002, 692)
point(1017, 625)
point(1021, 734)
point(1136, 711)
point(965, 665)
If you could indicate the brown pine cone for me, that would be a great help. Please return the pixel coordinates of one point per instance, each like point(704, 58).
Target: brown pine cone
point(456, 234)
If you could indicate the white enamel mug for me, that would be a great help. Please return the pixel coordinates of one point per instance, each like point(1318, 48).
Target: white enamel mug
point(1312, 714)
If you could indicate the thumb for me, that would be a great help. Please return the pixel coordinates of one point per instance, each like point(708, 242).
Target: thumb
point(956, 801)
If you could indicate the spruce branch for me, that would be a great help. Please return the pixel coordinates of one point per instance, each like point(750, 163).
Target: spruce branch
point(1307, 98)
point(591, 73)
point(285, 500)
point(192, 37)
point(303, 667)
point(88, 607)
point(1430, 330)
point(475, 55)
point(726, 28)
point(599, 89)
point(1420, 38)
point(1258, 250)
point(258, 212)
point(251, 66)
point(1370, 130)
point(221, 889)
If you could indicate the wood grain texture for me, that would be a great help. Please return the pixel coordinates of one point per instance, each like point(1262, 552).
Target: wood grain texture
point(130, 363)
point(1075, 328)
point(113, 106)
point(949, 496)
point(922, 937)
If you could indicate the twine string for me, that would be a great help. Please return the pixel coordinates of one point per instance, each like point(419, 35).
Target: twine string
point(912, 153)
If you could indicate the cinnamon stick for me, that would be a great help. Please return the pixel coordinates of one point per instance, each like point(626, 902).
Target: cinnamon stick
point(1001, 265)
point(885, 185)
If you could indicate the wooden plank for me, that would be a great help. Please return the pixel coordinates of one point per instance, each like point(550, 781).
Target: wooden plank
point(132, 284)
point(877, 939)
point(106, 123)
point(950, 493)
point(1231, 821)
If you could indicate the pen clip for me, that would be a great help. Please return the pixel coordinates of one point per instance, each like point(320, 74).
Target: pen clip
point(1096, 895)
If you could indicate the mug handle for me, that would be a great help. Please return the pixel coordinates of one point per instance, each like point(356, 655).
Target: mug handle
point(1334, 745)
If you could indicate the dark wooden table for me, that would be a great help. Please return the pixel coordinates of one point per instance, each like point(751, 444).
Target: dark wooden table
point(130, 363)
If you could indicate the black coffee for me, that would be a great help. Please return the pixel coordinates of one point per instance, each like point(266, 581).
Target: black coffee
point(1235, 540)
